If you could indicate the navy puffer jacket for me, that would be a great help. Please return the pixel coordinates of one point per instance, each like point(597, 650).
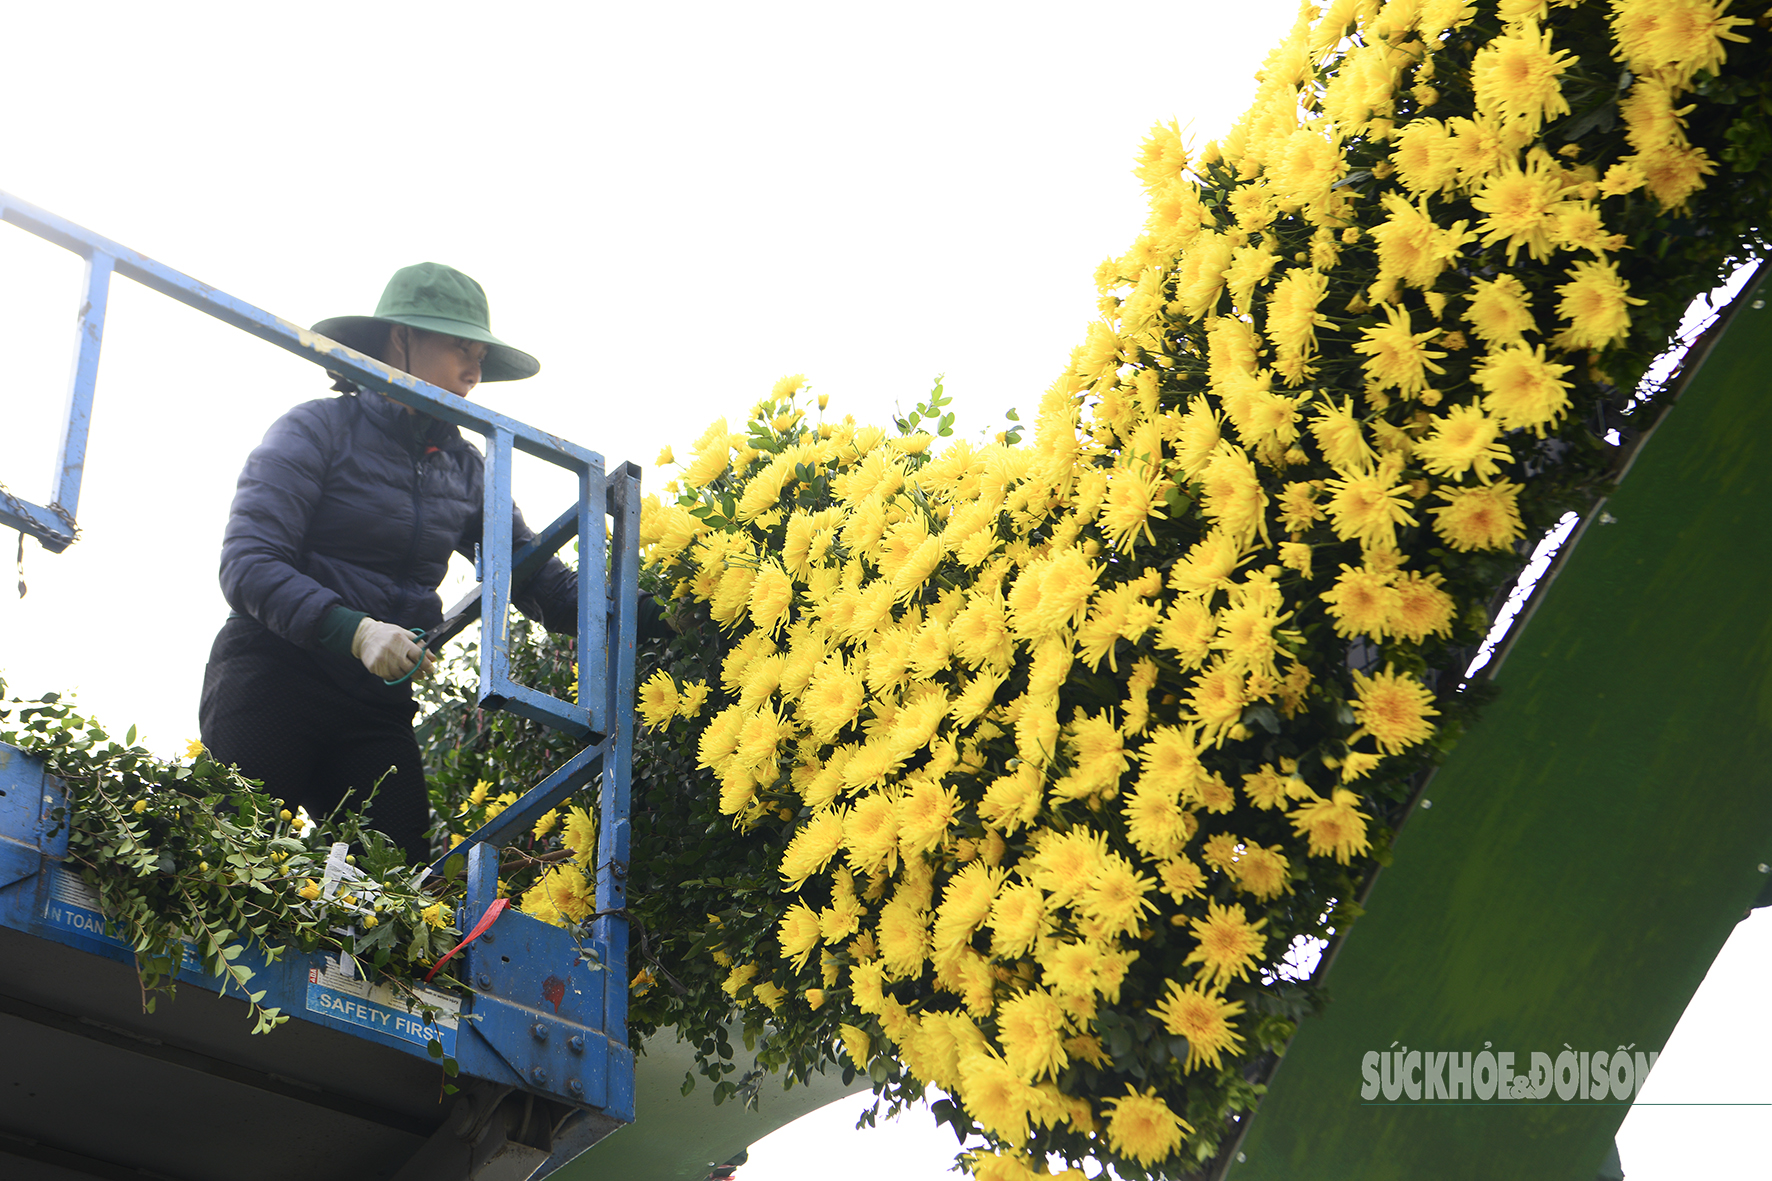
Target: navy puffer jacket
point(353, 501)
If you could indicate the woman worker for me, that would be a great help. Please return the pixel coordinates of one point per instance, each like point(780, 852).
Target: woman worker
point(339, 535)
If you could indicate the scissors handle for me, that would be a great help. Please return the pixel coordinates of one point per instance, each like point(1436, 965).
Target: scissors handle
point(419, 632)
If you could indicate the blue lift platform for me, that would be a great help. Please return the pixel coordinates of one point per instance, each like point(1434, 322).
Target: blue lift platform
point(92, 1087)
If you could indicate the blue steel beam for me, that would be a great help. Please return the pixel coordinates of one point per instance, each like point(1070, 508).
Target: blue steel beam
point(611, 929)
point(70, 459)
point(237, 313)
point(54, 531)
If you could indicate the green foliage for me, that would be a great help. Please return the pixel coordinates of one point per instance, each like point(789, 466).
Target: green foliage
point(189, 854)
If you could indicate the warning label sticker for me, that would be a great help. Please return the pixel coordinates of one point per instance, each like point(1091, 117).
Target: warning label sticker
point(72, 905)
point(379, 1008)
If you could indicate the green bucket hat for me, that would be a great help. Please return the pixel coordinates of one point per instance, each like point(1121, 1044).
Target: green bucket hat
point(435, 298)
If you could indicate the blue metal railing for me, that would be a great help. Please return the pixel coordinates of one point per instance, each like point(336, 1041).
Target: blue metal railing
point(608, 569)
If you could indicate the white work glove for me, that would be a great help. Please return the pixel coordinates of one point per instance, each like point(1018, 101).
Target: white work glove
point(386, 650)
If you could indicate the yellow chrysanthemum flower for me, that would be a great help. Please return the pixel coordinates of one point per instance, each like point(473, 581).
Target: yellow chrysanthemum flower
point(1520, 206)
point(1050, 594)
point(1464, 440)
point(657, 700)
point(1522, 389)
point(1031, 1028)
point(1229, 944)
point(1362, 602)
point(1423, 157)
point(833, 698)
point(1013, 800)
point(1265, 788)
point(1234, 500)
point(870, 833)
point(997, 1097)
point(1203, 1017)
point(1412, 247)
point(1394, 708)
point(1249, 269)
point(1306, 164)
point(1115, 897)
point(1200, 280)
point(1500, 310)
point(562, 895)
point(798, 934)
point(1397, 356)
point(1142, 1127)
point(1216, 700)
point(813, 846)
point(904, 937)
point(925, 815)
point(1672, 172)
point(1480, 518)
point(1017, 917)
point(1133, 497)
point(1293, 320)
point(1336, 827)
point(1421, 608)
point(1675, 38)
point(1516, 76)
point(580, 835)
point(1263, 871)
point(1369, 507)
point(1098, 756)
point(1156, 824)
point(1595, 304)
point(1298, 505)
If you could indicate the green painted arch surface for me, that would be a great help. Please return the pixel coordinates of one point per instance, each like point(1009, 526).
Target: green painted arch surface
point(1591, 843)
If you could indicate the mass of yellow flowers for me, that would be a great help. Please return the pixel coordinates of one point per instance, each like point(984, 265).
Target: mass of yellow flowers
point(1064, 736)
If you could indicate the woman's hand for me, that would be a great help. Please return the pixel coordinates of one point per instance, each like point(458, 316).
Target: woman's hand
point(388, 651)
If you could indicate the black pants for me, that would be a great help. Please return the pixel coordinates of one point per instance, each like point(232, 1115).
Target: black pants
point(280, 715)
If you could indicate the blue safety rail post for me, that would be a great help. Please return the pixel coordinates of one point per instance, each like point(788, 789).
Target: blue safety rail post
point(608, 570)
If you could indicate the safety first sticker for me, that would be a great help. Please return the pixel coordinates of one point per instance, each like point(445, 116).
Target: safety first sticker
point(344, 997)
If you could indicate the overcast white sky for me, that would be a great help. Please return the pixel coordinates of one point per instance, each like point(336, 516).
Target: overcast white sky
point(671, 206)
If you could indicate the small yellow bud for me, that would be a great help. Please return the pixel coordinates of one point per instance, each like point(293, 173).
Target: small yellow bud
point(350, 859)
point(203, 867)
point(140, 807)
point(823, 401)
point(286, 814)
point(815, 997)
point(369, 921)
